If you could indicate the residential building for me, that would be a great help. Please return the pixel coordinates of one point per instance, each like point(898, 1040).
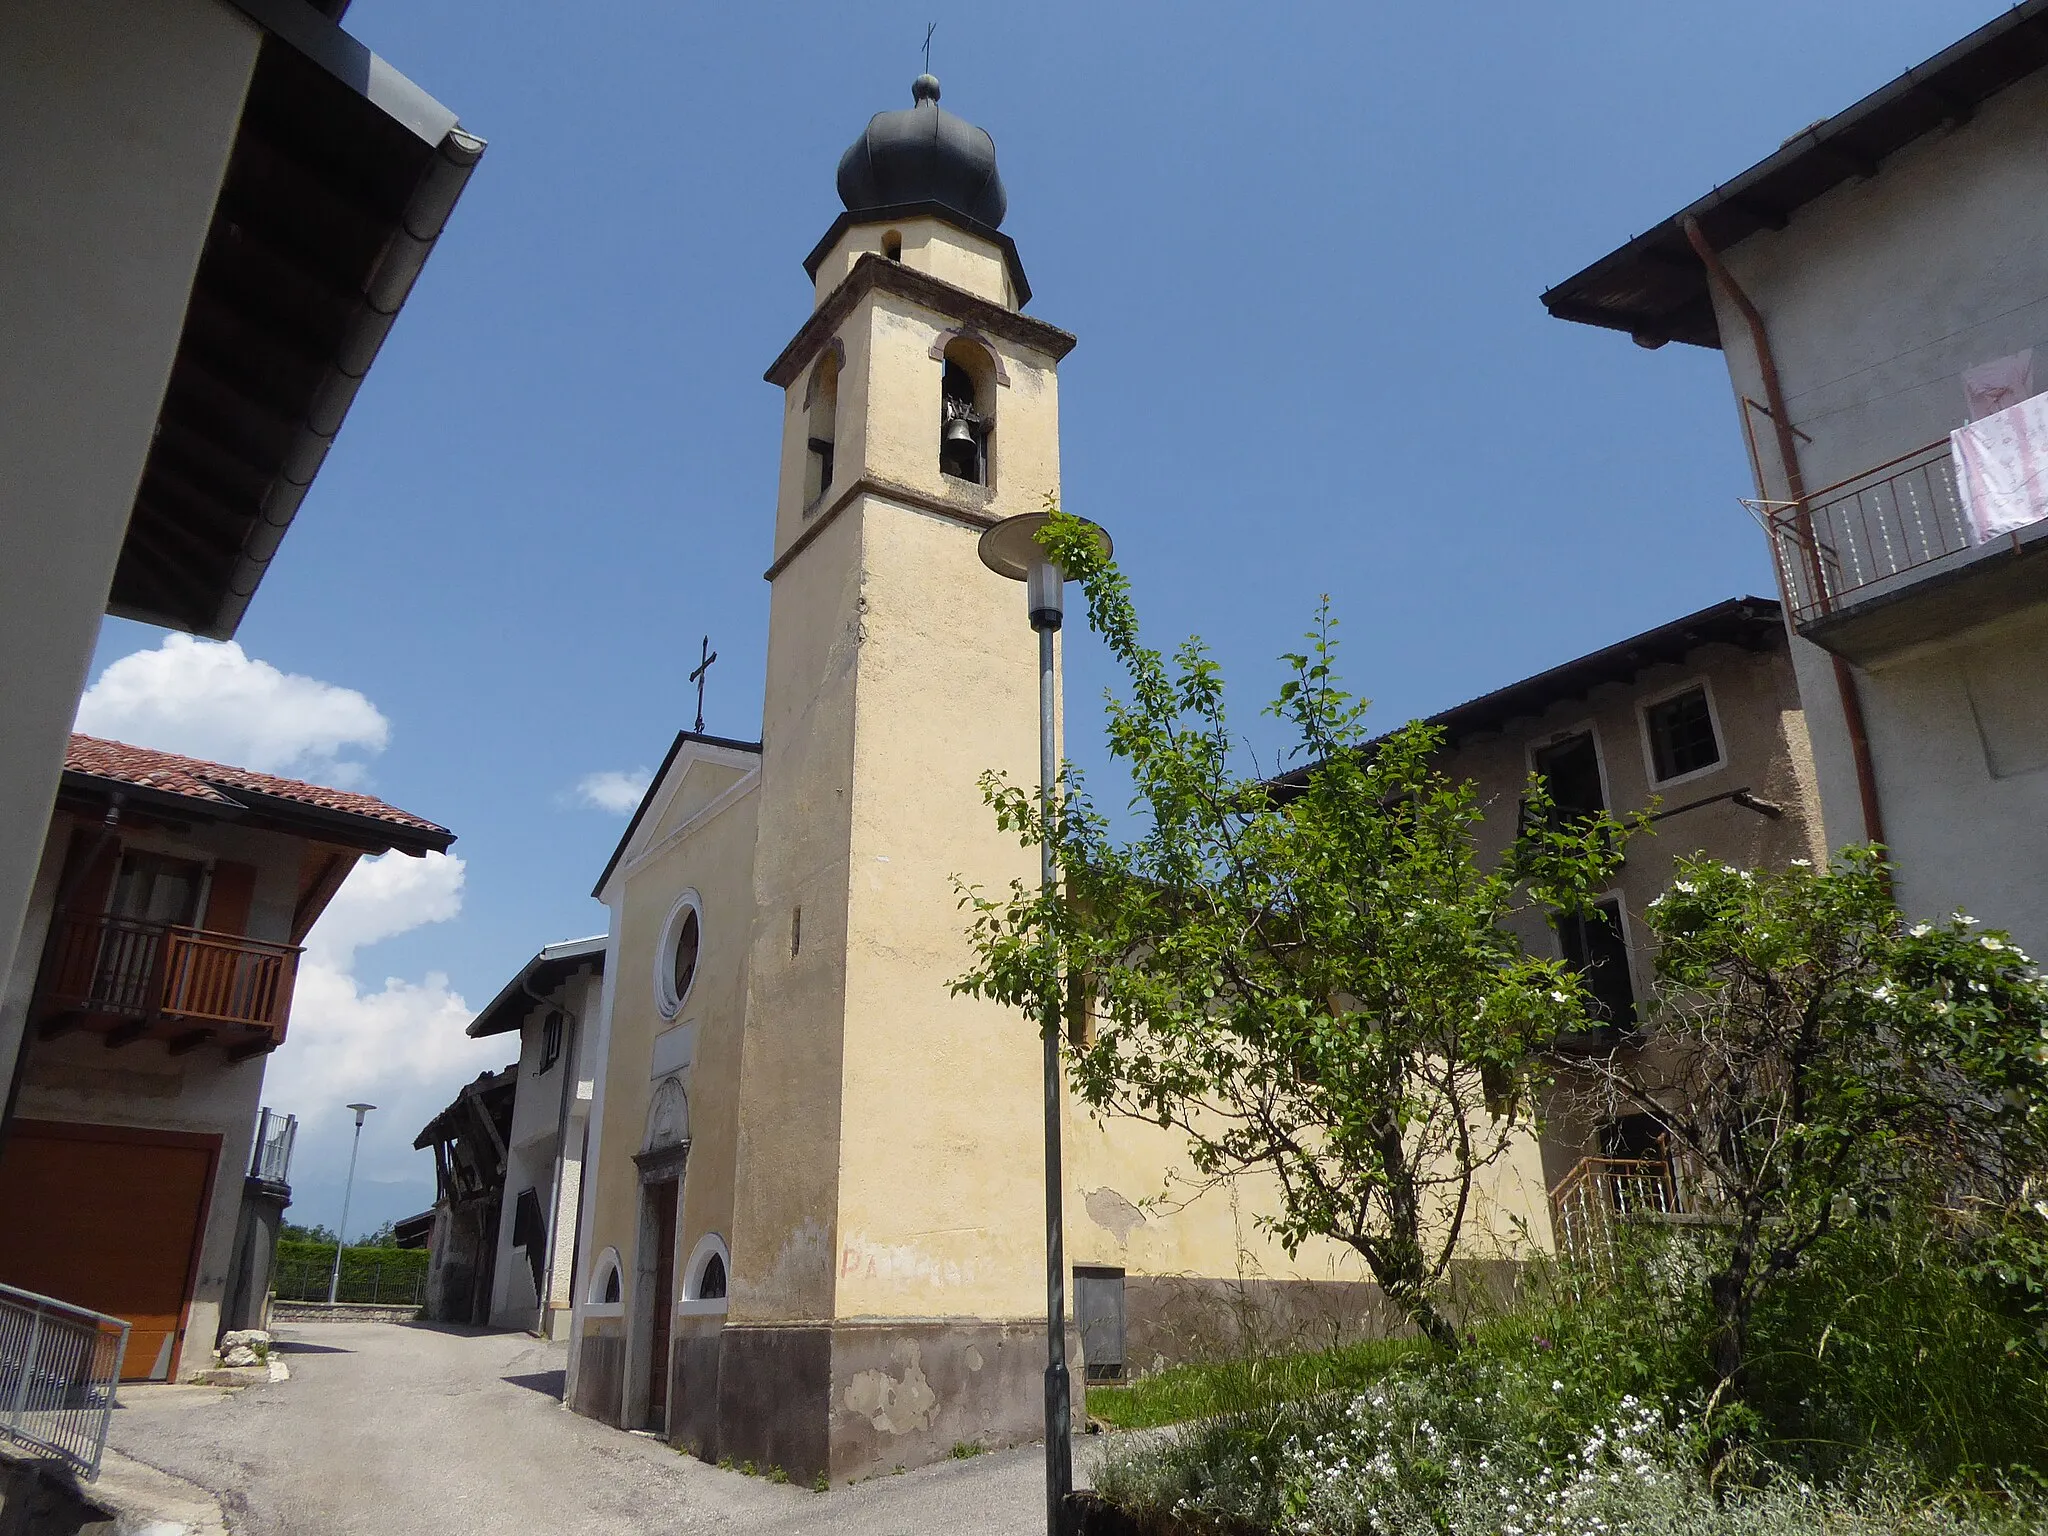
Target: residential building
point(154, 978)
point(812, 1231)
point(531, 1247)
point(1696, 724)
point(216, 209)
point(469, 1140)
point(1878, 288)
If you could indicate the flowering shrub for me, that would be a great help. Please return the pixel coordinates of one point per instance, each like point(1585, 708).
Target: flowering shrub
point(1486, 1450)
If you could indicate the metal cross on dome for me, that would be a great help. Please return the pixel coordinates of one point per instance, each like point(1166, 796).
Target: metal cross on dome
point(697, 677)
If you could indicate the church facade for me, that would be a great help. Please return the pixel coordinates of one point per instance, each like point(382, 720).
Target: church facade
point(813, 1217)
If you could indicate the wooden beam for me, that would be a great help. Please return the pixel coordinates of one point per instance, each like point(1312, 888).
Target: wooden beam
point(258, 1046)
point(191, 1040)
point(59, 1024)
point(125, 1034)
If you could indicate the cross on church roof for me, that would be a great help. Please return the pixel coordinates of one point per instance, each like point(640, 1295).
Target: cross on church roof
point(697, 677)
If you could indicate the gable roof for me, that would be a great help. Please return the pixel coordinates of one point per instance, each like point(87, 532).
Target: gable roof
point(217, 791)
point(555, 964)
point(654, 788)
point(1655, 288)
point(1752, 623)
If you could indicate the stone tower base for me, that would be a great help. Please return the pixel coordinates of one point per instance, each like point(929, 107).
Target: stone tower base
point(851, 1399)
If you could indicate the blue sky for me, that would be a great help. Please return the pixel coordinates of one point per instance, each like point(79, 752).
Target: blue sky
point(1301, 246)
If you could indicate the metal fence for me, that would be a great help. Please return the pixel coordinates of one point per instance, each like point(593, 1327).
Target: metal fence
point(375, 1281)
point(58, 1368)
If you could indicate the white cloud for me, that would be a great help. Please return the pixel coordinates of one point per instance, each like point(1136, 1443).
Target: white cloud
point(210, 699)
point(613, 790)
point(399, 1045)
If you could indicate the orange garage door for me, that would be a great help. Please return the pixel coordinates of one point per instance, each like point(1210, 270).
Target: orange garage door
point(108, 1218)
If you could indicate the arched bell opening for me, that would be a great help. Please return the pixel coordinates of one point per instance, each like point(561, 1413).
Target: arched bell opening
point(967, 415)
point(821, 426)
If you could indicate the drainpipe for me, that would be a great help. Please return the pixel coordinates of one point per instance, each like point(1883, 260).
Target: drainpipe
point(1795, 487)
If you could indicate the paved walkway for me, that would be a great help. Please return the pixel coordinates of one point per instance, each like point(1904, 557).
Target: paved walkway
point(391, 1430)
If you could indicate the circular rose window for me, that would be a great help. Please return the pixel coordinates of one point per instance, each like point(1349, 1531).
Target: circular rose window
point(675, 965)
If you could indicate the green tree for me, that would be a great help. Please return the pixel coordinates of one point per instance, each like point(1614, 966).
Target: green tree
point(1311, 979)
point(1819, 1058)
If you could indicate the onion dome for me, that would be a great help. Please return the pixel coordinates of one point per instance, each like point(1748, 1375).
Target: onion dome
point(923, 155)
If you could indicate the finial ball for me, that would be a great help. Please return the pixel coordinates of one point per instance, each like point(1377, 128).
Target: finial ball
point(924, 88)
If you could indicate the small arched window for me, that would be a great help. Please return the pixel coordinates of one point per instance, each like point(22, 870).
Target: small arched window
point(966, 412)
point(706, 1275)
point(607, 1290)
point(892, 245)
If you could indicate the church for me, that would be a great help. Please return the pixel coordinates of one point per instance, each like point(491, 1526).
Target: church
point(812, 1218)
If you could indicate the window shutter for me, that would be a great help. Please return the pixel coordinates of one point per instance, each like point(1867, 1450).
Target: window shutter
point(234, 892)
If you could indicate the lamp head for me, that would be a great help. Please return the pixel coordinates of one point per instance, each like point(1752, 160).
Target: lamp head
point(361, 1110)
point(1011, 549)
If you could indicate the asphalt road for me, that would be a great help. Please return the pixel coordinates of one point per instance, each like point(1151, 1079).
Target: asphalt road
point(411, 1430)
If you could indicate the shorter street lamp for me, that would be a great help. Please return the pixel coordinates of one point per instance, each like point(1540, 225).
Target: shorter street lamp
point(347, 1190)
point(1011, 549)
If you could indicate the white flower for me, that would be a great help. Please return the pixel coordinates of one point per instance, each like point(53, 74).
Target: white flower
point(1919, 930)
point(1966, 920)
point(1559, 997)
point(1802, 863)
point(1991, 944)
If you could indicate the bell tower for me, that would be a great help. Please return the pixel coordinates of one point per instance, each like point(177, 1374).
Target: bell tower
point(887, 1297)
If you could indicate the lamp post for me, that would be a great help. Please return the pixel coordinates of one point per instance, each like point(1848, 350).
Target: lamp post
point(1011, 549)
point(347, 1191)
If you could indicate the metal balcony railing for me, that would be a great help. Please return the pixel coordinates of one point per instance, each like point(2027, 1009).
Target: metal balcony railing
point(270, 1158)
point(1857, 533)
point(123, 974)
point(58, 1369)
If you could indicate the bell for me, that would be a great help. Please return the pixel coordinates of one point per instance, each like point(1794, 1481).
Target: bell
point(957, 431)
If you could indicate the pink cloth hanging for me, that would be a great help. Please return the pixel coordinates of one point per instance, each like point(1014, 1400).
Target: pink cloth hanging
point(1992, 387)
point(2001, 466)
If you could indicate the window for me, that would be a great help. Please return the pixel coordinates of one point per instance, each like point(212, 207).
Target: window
point(1595, 947)
point(821, 425)
point(706, 1276)
point(606, 1295)
point(675, 960)
point(892, 245)
point(550, 1041)
point(1682, 736)
point(966, 411)
point(1571, 771)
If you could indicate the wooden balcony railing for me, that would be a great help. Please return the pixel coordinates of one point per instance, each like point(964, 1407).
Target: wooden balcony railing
point(132, 980)
point(1598, 1193)
point(1857, 533)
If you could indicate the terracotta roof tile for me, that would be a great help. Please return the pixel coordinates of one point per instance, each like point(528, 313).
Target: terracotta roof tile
point(169, 773)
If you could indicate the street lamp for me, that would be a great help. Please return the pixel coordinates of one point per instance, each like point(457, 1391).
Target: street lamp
point(1011, 549)
point(347, 1190)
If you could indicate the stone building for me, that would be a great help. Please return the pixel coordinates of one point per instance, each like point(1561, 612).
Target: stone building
point(1878, 288)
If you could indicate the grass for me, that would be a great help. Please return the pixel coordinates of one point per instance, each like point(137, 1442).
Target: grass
point(1185, 1392)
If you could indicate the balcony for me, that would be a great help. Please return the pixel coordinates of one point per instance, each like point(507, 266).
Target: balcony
point(128, 980)
point(1884, 559)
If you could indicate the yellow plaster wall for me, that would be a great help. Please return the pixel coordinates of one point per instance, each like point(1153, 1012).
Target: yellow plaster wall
point(931, 246)
point(787, 1178)
point(715, 858)
point(940, 1200)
